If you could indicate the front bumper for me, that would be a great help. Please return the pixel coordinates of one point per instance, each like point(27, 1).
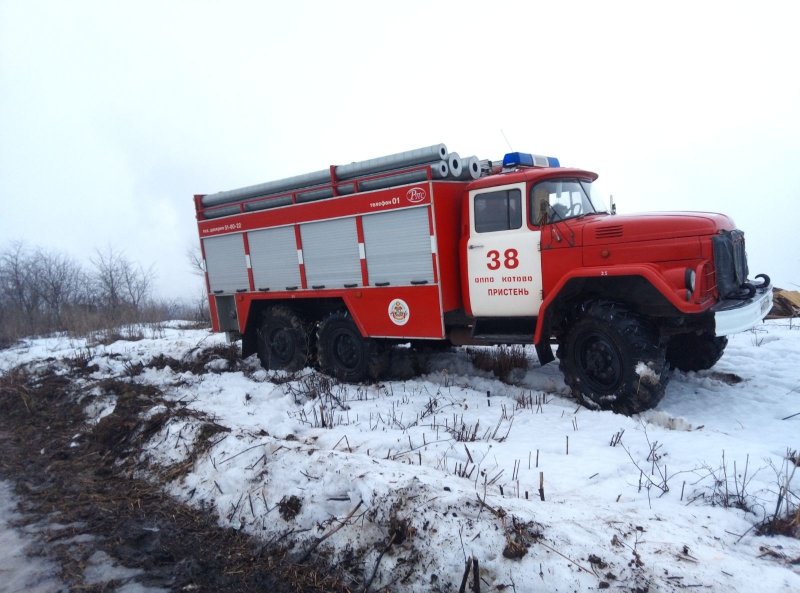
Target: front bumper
point(732, 315)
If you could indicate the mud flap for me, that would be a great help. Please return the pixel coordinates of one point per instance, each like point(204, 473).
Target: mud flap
point(544, 352)
point(249, 343)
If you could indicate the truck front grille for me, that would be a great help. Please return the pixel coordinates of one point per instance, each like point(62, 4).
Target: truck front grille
point(730, 262)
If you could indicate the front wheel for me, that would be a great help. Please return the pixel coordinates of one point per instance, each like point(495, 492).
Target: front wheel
point(343, 353)
point(612, 359)
point(695, 352)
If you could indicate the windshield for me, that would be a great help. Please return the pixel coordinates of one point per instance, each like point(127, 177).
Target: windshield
point(560, 199)
point(597, 197)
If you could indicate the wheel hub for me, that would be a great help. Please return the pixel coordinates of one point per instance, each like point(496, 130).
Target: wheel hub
point(600, 363)
point(347, 351)
point(282, 345)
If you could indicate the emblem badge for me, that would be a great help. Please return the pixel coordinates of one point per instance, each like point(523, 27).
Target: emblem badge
point(399, 312)
point(415, 195)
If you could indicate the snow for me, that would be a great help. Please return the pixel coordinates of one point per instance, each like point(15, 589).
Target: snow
point(667, 499)
point(21, 570)
point(647, 374)
point(101, 568)
point(18, 570)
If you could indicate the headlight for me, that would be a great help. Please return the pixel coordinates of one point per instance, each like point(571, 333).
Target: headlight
point(690, 278)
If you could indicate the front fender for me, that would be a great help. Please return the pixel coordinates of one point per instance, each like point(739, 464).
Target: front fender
point(650, 273)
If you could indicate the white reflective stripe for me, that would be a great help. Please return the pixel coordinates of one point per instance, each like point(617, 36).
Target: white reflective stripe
point(247, 261)
point(433, 244)
point(300, 256)
point(361, 253)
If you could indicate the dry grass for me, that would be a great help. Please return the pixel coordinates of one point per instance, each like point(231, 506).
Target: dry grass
point(90, 482)
point(787, 525)
point(196, 363)
point(502, 360)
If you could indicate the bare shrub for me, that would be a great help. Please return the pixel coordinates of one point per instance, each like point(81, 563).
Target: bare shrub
point(788, 525)
point(61, 281)
point(785, 518)
point(466, 433)
point(501, 361)
point(198, 362)
point(21, 294)
point(43, 291)
point(35, 288)
point(729, 487)
point(195, 259)
point(327, 395)
point(121, 286)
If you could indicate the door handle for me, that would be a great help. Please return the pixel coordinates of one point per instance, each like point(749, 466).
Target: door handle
point(475, 247)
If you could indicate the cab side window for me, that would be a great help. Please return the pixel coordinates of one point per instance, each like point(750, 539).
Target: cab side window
point(498, 211)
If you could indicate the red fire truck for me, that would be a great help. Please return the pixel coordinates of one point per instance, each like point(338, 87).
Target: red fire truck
point(336, 266)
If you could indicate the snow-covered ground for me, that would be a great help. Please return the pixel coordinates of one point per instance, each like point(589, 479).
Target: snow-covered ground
point(408, 479)
point(19, 571)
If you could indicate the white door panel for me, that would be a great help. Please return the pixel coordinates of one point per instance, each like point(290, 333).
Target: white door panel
point(504, 266)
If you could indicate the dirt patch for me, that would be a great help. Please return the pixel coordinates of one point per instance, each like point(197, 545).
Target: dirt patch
point(729, 378)
point(199, 362)
point(289, 507)
point(520, 536)
point(88, 482)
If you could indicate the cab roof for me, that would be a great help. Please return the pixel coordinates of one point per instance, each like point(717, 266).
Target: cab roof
point(526, 174)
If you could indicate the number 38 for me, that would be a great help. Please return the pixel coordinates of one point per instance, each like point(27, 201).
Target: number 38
point(509, 260)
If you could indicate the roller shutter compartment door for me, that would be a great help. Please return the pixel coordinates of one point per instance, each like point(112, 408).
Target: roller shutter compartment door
point(398, 247)
point(273, 256)
point(330, 253)
point(225, 263)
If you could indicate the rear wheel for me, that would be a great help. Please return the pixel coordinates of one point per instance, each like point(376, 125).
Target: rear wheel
point(283, 340)
point(343, 353)
point(695, 352)
point(612, 360)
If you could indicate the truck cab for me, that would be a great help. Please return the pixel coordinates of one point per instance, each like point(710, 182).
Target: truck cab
point(510, 227)
point(543, 258)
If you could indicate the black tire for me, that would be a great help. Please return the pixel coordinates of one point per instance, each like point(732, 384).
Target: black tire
point(695, 352)
point(612, 359)
point(283, 340)
point(343, 353)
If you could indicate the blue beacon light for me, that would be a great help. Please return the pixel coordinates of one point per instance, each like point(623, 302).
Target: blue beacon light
point(526, 159)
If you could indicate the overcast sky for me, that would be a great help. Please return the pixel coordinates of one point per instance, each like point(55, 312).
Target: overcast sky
point(113, 114)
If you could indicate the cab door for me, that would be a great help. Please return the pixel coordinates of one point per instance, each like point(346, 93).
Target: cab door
point(504, 263)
